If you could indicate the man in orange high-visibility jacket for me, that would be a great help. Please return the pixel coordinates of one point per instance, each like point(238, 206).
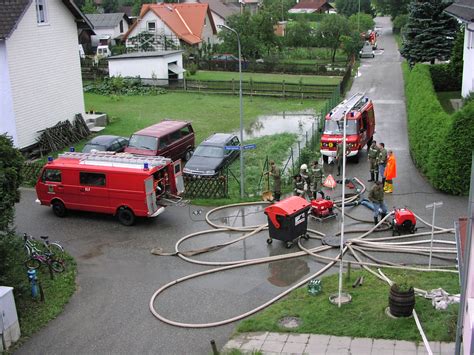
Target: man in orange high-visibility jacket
point(390, 172)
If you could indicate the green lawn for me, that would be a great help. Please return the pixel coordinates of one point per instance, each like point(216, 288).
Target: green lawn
point(445, 97)
point(364, 316)
point(278, 78)
point(209, 113)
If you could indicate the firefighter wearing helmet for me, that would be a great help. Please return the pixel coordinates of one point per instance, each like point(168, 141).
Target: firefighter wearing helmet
point(306, 180)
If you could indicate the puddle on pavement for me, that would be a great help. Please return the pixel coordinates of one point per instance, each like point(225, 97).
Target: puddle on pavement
point(286, 122)
point(240, 216)
point(286, 272)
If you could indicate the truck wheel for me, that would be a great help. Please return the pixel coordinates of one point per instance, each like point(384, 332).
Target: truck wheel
point(59, 209)
point(269, 241)
point(126, 216)
point(325, 159)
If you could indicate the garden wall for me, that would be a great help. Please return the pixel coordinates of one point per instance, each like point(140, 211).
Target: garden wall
point(440, 144)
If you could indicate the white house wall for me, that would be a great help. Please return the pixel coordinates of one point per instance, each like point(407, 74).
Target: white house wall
point(468, 69)
point(160, 27)
point(7, 118)
point(145, 68)
point(207, 34)
point(112, 32)
point(45, 72)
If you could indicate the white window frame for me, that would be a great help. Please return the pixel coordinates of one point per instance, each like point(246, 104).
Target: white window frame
point(148, 26)
point(41, 14)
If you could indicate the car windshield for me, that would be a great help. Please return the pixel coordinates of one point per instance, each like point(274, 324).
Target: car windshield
point(88, 147)
point(335, 127)
point(209, 151)
point(143, 142)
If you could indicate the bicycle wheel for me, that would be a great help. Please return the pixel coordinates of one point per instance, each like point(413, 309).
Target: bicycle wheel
point(57, 250)
point(32, 263)
point(57, 266)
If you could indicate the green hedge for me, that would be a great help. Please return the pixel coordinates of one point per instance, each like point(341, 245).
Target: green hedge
point(445, 78)
point(440, 144)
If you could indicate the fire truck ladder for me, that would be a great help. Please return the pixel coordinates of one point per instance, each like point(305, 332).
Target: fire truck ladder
point(116, 160)
point(356, 101)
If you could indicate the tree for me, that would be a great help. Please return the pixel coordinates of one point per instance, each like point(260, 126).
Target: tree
point(331, 30)
point(429, 33)
point(11, 162)
point(110, 6)
point(391, 7)
point(89, 7)
point(351, 44)
point(350, 7)
point(299, 34)
point(362, 22)
point(456, 61)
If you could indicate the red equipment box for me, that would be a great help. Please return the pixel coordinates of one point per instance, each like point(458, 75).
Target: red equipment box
point(404, 221)
point(288, 219)
point(322, 208)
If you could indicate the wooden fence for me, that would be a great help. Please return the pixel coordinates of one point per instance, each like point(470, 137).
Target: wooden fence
point(30, 172)
point(207, 187)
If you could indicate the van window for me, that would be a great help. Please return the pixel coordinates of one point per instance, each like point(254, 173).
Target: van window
point(92, 179)
point(51, 175)
point(143, 142)
point(164, 142)
point(175, 136)
point(185, 131)
point(177, 168)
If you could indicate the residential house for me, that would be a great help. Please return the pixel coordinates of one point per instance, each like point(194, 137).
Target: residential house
point(109, 26)
point(220, 11)
point(463, 10)
point(170, 26)
point(311, 6)
point(157, 67)
point(40, 71)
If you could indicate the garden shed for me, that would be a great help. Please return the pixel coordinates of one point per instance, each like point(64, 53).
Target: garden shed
point(156, 67)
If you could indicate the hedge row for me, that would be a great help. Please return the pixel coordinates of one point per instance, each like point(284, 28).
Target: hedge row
point(445, 78)
point(440, 144)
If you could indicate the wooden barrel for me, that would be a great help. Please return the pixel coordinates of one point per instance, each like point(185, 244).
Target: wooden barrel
point(401, 303)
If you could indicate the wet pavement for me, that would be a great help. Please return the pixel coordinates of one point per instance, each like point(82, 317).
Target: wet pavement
point(117, 274)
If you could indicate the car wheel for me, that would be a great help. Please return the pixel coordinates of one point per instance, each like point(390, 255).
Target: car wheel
point(188, 155)
point(59, 209)
point(126, 216)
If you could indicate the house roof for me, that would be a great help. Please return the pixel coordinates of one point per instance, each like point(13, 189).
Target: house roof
point(145, 54)
point(107, 20)
point(462, 9)
point(221, 9)
point(12, 11)
point(185, 20)
point(312, 4)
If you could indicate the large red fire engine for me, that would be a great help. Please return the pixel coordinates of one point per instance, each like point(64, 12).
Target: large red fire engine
point(119, 184)
point(358, 112)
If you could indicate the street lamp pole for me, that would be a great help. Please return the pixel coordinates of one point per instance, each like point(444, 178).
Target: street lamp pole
point(241, 112)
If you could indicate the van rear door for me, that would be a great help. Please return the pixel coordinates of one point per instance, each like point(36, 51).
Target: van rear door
point(153, 209)
point(178, 176)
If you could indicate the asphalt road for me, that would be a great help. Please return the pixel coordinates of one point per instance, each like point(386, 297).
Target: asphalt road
point(117, 274)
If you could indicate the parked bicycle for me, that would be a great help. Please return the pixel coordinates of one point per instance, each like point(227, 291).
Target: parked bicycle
point(51, 254)
point(31, 246)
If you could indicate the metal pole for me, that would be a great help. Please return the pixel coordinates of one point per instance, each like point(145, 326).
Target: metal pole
point(433, 206)
point(343, 207)
point(242, 189)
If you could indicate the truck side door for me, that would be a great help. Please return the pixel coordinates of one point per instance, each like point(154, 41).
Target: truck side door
point(50, 186)
point(93, 194)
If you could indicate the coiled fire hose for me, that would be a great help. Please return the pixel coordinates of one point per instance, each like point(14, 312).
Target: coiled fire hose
point(360, 244)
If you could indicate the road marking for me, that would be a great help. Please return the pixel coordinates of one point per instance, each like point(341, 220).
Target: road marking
point(389, 102)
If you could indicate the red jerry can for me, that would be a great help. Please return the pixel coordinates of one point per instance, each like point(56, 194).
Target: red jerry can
point(288, 220)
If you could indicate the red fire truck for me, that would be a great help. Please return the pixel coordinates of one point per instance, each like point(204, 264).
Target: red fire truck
point(358, 112)
point(123, 185)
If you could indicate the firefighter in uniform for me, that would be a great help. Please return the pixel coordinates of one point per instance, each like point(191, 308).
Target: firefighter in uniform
point(382, 162)
point(316, 180)
point(306, 180)
point(376, 196)
point(275, 174)
point(298, 185)
point(390, 172)
point(373, 154)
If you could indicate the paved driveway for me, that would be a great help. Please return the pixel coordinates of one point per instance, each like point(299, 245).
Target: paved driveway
point(117, 274)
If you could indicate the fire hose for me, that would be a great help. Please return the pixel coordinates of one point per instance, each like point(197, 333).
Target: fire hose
point(357, 245)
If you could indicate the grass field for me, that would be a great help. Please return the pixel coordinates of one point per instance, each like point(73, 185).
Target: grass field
point(364, 316)
point(270, 78)
point(209, 113)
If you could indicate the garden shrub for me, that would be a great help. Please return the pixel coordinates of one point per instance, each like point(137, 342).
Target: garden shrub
point(118, 85)
point(440, 144)
point(445, 78)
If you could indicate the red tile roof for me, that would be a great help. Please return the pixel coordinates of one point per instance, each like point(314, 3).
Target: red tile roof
point(185, 20)
point(312, 4)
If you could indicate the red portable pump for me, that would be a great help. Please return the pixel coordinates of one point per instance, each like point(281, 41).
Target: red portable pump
point(404, 221)
point(322, 208)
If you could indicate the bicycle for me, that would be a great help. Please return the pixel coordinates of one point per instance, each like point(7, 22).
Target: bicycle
point(36, 259)
point(54, 248)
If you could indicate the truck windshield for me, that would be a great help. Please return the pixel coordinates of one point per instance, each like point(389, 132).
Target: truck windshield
point(209, 151)
point(143, 142)
point(335, 127)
